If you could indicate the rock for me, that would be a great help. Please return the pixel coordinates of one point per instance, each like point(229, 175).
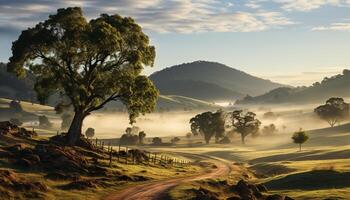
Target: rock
point(80, 185)
point(244, 191)
point(204, 194)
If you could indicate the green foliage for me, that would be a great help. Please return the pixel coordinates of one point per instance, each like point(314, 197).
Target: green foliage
point(244, 123)
point(90, 133)
point(300, 138)
point(130, 137)
point(89, 62)
point(333, 111)
point(209, 124)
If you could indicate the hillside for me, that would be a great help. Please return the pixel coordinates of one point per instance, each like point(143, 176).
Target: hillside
point(319, 92)
point(13, 88)
point(209, 81)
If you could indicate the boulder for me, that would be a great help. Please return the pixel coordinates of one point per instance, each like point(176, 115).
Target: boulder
point(244, 191)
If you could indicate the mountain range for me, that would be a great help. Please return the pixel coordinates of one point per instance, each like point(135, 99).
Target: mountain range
point(209, 81)
point(335, 86)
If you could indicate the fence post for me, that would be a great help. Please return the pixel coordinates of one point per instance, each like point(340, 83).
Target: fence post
point(155, 158)
point(96, 142)
point(110, 157)
point(119, 152)
point(126, 157)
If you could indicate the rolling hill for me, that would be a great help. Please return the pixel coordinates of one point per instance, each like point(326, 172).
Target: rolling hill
point(13, 88)
point(319, 92)
point(209, 81)
point(22, 89)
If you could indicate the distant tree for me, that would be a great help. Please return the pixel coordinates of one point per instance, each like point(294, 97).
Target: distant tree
point(157, 141)
point(244, 123)
point(92, 62)
point(66, 121)
point(16, 121)
point(15, 106)
point(44, 122)
point(129, 139)
point(300, 138)
point(209, 124)
point(333, 111)
point(188, 135)
point(142, 136)
point(269, 130)
point(175, 140)
point(90, 133)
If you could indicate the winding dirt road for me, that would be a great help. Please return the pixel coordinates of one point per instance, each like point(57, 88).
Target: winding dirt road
point(157, 190)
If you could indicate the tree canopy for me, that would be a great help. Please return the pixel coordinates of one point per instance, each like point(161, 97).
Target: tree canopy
point(244, 123)
point(209, 124)
point(333, 111)
point(89, 63)
point(300, 138)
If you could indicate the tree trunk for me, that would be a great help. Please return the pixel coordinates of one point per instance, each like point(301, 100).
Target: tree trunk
point(74, 131)
point(243, 138)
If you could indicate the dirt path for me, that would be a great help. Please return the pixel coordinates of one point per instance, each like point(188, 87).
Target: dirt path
point(156, 190)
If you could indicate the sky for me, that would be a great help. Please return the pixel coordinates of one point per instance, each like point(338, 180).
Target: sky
point(295, 42)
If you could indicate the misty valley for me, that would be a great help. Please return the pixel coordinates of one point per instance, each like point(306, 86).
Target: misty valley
point(81, 117)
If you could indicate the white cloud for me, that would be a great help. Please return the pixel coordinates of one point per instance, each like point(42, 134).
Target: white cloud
point(184, 16)
point(333, 27)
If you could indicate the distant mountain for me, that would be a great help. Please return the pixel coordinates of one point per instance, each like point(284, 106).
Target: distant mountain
point(209, 81)
point(338, 86)
point(22, 89)
point(13, 88)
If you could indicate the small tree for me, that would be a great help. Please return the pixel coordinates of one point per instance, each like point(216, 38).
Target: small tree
point(175, 140)
point(269, 130)
point(300, 138)
point(90, 133)
point(157, 141)
point(333, 111)
point(44, 122)
point(209, 124)
point(142, 136)
point(244, 123)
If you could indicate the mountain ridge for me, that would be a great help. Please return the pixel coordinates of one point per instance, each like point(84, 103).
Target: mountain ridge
point(222, 78)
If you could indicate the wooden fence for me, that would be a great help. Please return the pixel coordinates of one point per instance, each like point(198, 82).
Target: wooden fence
point(128, 155)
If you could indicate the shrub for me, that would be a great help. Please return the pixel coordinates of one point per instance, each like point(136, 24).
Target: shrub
point(44, 122)
point(89, 133)
point(157, 141)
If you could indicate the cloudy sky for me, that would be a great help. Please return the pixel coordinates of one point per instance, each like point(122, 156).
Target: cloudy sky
point(290, 41)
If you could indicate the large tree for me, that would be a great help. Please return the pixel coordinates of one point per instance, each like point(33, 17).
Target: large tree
point(333, 111)
point(209, 124)
point(244, 123)
point(89, 63)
